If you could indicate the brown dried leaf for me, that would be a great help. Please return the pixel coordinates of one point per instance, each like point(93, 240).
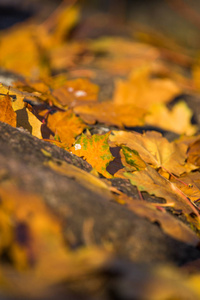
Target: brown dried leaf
point(170, 225)
point(189, 184)
point(151, 181)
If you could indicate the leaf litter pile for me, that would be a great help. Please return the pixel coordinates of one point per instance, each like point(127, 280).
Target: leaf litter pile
point(55, 97)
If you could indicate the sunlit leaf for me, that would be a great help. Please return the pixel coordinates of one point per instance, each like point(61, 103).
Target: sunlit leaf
point(154, 149)
point(7, 113)
point(66, 125)
point(95, 150)
point(76, 92)
point(24, 117)
point(111, 114)
point(143, 91)
point(159, 115)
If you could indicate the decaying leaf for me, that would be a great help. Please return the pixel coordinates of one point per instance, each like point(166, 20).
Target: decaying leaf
point(169, 224)
point(151, 181)
point(95, 150)
point(131, 159)
point(194, 152)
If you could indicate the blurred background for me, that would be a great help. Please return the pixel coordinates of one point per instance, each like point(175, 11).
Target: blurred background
point(178, 19)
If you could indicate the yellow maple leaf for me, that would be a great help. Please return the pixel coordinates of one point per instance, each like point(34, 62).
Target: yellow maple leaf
point(95, 150)
point(66, 125)
point(143, 91)
point(178, 119)
point(154, 149)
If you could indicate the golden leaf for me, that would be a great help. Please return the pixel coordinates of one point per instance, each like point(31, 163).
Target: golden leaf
point(95, 150)
point(154, 149)
point(111, 114)
point(7, 113)
point(143, 91)
point(76, 92)
point(24, 118)
point(178, 119)
point(66, 125)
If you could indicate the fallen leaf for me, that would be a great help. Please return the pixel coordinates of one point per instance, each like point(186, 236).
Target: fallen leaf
point(177, 120)
point(170, 225)
point(131, 159)
point(19, 52)
point(151, 181)
point(154, 149)
point(95, 150)
point(120, 56)
point(66, 125)
point(143, 91)
point(111, 114)
point(189, 184)
point(24, 118)
point(76, 92)
point(194, 152)
point(7, 113)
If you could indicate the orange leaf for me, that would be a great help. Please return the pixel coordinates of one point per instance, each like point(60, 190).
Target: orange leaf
point(66, 125)
point(76, 92)
point(111, 114)
point(122, 55)
point(143, 91)
point(95, 150)
point(7, 113)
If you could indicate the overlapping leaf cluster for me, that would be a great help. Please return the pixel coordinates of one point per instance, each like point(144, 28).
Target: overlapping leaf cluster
point(62, 111)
